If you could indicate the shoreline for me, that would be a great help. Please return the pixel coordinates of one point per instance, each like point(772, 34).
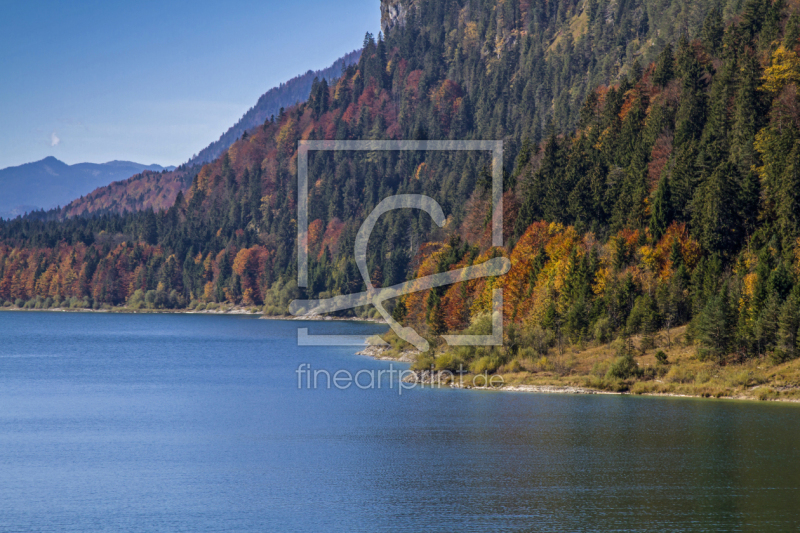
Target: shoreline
point(323, 318)
point(234, 310)
point(554, 389)
point(228, 311)
point(429, 378)
point(375, 352)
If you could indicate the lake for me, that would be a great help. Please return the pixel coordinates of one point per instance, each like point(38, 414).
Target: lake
point(126, 422)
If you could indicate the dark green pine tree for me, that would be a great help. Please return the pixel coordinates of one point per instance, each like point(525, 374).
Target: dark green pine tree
point(714, 142)
point(661, 213)
point(753, 14)
point(788, 200)
point(665, 67)
point(715, 213)
point(792, 31)
point(321, 100)
point(716, 324)
point(691, 116)
point(684, 181)
point(713, 29)
point(747, 107)
point(766, 327)
point(788, 324)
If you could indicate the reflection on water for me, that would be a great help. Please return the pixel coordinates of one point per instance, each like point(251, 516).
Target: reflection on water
point(181, 422)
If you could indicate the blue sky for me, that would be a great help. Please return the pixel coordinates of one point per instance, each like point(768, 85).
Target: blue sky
point(154, 82)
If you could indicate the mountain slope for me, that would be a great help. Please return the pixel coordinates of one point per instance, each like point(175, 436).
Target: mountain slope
point(50, 182)
point(146, 190)
point(158, 190)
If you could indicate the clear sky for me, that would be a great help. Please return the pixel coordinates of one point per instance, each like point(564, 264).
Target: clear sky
point(154, 82)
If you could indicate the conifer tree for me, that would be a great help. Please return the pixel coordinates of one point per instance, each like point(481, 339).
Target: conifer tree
point(715, 323)
point(746, 112)
point(788, 199)
point(661, 213)
point(665, 67)
point(715, 218)
point(691, 116)
point(684, 180)
point(788, 323)
point(713, 29)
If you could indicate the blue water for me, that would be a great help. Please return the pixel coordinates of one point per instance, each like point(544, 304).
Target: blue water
point(196, 423)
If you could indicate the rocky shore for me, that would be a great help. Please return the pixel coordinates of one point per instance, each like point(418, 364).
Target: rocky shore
point(382, 353)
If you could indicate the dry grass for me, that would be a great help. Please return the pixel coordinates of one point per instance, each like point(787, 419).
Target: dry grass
point(683, 375)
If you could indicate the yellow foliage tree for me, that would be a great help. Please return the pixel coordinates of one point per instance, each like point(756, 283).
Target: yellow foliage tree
point(784, 69)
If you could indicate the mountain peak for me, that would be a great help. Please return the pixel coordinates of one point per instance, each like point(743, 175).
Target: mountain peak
point(50, 182)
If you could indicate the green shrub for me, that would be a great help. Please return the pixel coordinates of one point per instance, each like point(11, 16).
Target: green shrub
point(780, 355)
point(486, 364)
point(661, 358)
point(449, 361)
point(512, 366)
point(600, 369)
point(678, 374)
point(623, 367)
point(766, 393)
point(538, 339)
point(424, 362)
point(480, 325)
point(544, 364)
point(746, 378)
point(278, 297)
point(527, 353)
point(603, 331)
point(704, 376)
point(643, 387)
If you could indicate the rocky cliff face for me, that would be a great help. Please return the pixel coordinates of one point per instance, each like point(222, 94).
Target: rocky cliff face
point(394, 12)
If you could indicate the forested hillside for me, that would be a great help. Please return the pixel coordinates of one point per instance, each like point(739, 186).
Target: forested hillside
point(651, 181)
point(146, 190)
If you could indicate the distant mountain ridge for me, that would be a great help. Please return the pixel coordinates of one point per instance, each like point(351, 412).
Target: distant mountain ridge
point(270, 103)
point(50, 183)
